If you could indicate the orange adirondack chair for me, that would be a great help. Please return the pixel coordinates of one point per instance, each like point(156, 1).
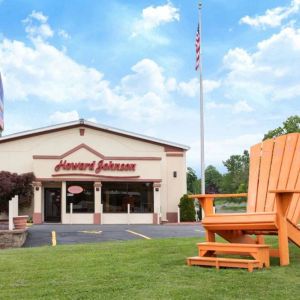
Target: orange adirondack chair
point(273, 199)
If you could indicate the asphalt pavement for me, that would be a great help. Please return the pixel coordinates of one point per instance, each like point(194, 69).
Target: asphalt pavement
point(40, 235)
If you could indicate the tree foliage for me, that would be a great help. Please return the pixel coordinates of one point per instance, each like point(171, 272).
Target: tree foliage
point(236, 178)
point(12, 184)
point(193, 183)
point(213, 180)
point(187, 209)
point(292, 124)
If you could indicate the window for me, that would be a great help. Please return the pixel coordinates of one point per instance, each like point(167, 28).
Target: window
point(81, 195)
point(117, 195)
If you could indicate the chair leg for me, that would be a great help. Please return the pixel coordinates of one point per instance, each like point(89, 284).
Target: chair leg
point(282, 203)
point(283, 243)
point(210, 236)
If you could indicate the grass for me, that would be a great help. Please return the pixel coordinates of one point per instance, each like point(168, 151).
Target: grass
point(140, 269)
point(224, 208)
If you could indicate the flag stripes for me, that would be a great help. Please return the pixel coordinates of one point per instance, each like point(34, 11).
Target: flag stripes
point(197, 45)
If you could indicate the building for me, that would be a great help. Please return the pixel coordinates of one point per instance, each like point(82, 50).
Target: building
point(88, 173)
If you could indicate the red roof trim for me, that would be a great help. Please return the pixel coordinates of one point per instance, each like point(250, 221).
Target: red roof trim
point(84, 146)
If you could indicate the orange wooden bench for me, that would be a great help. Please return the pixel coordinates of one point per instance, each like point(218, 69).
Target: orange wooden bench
point(208, 251)
point(273, 199)
point(256, 251)
point(218, 262)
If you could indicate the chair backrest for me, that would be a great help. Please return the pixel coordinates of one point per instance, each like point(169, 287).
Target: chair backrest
point(274, 164)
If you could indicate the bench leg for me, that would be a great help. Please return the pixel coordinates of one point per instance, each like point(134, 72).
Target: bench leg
point(210, 236)
point(217, 265)
point(250, 268)
point(267, 259)
point(260, 239)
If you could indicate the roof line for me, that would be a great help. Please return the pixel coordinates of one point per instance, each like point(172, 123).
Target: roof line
point(83, 122)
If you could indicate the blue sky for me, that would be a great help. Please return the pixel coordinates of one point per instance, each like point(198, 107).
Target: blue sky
point(130, 64)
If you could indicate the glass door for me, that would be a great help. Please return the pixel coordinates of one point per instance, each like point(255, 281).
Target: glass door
point(52, 205)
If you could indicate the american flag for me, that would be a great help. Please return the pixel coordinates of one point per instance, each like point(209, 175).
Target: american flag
point(1, 105)
point(197, 45)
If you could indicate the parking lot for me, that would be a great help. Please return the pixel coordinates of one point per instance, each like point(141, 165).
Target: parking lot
point(40, 235)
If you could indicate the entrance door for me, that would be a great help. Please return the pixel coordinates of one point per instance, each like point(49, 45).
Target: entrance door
point(52, 204)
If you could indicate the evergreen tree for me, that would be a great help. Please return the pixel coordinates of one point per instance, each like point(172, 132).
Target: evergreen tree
point(187, 209)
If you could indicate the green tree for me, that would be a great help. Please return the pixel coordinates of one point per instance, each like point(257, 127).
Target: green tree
point(236, 179)
point(193, 183)
point(292, 124)
point(187, 209)
point(213, 180)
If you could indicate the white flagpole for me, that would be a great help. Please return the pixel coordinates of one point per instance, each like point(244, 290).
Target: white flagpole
point(201, 103)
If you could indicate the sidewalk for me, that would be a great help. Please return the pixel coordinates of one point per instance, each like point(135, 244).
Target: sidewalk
point(184, 223)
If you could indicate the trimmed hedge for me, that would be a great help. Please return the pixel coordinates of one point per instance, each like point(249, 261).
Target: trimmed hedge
point(187, 209)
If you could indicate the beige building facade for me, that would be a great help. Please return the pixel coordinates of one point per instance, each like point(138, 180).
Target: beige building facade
point(86, 173)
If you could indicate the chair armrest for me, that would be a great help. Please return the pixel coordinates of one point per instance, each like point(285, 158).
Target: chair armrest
point(206, 200)
point(284, 191)
point(212, 196)
point(283, 199)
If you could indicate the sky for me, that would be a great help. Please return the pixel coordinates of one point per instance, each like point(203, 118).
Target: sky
point(131, 65)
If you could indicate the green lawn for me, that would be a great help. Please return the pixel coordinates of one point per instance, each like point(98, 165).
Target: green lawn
point(140, 269)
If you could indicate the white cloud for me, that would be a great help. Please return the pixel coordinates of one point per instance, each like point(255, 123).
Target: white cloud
point(242, 106)
point(147, 76)
point(154, 16)
point(238, 107)
point(62, 33)
point(38, 16)
point(220, 149)
point(210, 85)
point(214, 105)
point(238, 59)
point(171, 84)
point(273, 17)
point(270, 73)
point(94, 120)
point(43, 72)
point(14, 124)
point(37, 27)
point(62, 117)
point(144, 100)
point(191, 88)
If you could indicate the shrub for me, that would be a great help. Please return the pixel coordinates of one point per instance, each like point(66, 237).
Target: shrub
point(187, 209)
point(12, 184)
